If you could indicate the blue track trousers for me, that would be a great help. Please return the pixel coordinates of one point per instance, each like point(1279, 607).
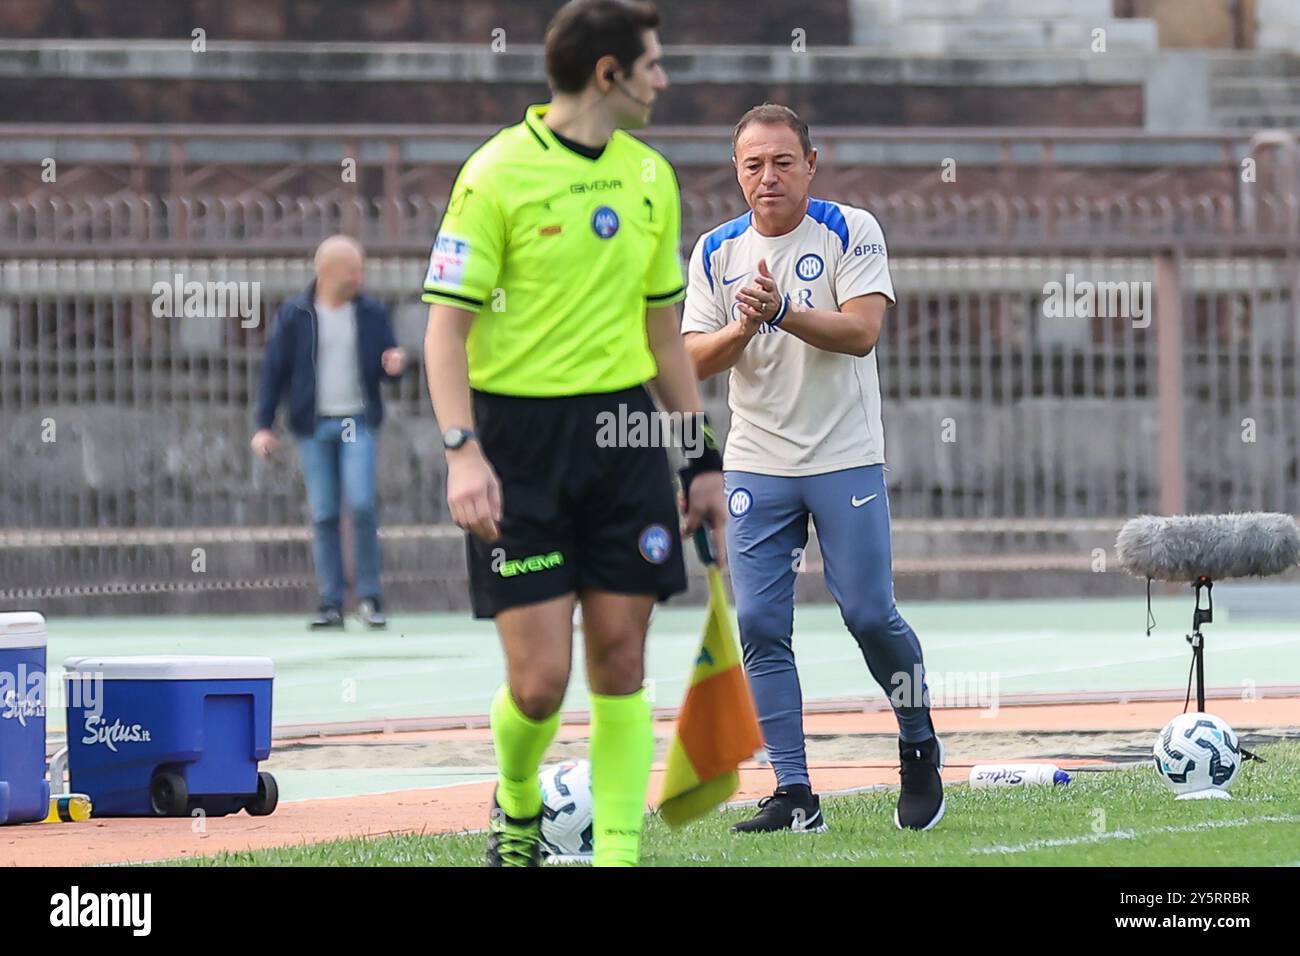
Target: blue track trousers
point(766, 537)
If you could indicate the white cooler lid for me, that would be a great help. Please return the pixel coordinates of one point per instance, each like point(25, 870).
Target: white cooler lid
point(21, 629)
point(170, 667)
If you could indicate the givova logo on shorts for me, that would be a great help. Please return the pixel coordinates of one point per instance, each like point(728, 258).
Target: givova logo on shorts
point(534, 562)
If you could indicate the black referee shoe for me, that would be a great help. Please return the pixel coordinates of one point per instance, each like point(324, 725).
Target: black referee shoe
point(794, 807)
point(920, 800)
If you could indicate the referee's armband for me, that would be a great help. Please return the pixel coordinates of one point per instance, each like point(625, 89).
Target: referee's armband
point(702, 458)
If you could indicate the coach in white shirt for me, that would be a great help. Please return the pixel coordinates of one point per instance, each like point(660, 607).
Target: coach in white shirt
point(791, 297)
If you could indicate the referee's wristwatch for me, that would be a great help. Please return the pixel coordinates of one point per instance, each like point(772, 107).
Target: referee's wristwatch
point(454, 438)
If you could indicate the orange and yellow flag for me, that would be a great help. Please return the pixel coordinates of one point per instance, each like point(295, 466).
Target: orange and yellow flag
point(717, 728)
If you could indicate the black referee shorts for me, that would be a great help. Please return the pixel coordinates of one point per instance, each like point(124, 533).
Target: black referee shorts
point(576, 515)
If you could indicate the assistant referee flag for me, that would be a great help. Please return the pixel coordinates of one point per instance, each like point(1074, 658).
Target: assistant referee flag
point(717, 728)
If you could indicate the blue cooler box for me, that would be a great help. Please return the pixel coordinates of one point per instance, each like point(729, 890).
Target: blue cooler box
point(24, 793)
point(170, 735)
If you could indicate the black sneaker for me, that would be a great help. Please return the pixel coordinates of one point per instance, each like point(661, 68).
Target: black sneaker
point(513, 842)
point(920, 799)
point(371, 615)
point(794, 807)
point(327, 618)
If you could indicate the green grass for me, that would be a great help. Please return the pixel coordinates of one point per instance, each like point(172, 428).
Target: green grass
point(1119, 818)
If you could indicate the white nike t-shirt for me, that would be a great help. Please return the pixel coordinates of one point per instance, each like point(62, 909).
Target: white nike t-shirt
point(795, 409)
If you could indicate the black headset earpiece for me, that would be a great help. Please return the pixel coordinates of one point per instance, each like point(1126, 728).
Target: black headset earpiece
point(609, 75)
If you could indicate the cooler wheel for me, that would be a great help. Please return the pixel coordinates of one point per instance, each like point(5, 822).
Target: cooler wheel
point(268, 795)
point(169, 795)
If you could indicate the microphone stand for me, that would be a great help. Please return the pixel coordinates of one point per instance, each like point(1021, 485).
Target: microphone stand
point(1205, 615)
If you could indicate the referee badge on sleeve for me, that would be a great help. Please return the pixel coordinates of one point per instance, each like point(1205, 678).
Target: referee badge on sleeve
point(447, 261)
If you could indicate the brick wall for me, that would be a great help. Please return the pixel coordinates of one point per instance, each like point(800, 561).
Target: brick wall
point(685, 21)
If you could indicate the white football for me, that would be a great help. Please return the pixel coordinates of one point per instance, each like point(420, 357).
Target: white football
point(566, 809)
point(1197, 755)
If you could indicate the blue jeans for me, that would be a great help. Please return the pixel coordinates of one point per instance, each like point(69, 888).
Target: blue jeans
point(765, 540)
point(338, 460)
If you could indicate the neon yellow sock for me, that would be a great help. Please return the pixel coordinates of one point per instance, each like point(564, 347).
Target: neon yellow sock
point(520, 745)
point(622, 746)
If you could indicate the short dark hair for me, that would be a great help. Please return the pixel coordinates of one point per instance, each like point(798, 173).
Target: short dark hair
point(776, 115)
point(585, 30)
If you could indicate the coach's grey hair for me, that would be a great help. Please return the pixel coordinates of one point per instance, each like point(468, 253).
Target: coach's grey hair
point(1185, 547)
point(777, 115)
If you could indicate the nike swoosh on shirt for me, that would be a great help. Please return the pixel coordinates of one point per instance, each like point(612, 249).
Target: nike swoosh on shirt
point(736, 279)
point(859, 502)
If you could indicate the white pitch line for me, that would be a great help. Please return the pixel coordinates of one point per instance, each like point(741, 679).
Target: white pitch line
point(1149, 658)
point(1132, 834)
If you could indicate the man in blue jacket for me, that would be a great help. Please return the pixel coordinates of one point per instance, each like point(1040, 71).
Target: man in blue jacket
point(325, 356)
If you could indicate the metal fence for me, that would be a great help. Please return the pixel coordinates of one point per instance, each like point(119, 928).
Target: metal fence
point(1000, 400)
point(215, 225)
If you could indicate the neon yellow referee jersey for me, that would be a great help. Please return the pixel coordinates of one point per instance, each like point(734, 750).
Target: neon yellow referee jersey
point(559, 255)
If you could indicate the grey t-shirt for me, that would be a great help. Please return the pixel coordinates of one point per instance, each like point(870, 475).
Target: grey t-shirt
point(338, 373)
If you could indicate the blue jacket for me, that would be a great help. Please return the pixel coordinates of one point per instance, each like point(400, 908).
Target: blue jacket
point(289, 366)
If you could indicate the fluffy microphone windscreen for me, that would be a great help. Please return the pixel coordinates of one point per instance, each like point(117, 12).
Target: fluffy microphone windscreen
point(1185, 547)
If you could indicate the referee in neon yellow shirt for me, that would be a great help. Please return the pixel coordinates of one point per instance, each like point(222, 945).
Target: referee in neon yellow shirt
point(553, 285)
